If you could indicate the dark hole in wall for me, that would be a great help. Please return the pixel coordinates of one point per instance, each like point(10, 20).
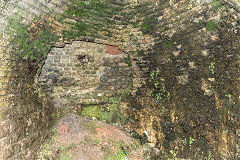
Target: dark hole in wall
point(81, 57)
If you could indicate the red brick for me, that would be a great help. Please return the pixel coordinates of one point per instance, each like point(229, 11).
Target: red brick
point(113, 50)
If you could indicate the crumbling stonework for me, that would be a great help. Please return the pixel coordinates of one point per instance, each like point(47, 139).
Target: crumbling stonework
point(25, 117)
point(85, 73)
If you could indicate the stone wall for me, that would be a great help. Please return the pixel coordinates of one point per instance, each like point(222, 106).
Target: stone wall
point(192, 88)
point(24, 116)
point(186, 88)
point(85, 73)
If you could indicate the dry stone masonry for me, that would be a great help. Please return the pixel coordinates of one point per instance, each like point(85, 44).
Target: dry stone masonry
point(85, 73)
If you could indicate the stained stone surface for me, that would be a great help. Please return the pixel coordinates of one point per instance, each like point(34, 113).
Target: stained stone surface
point(84, 73)
point(181, 59)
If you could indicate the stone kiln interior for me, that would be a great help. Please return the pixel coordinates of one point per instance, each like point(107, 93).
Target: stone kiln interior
point(178, 62)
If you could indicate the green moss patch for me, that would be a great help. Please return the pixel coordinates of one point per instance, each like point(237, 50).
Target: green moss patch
point(128, 61)
point(216, 4)
point(211, 25)
point(168, 44)
point(91, 111)
point(109, 113)
point(90, 18)
point(29, 43)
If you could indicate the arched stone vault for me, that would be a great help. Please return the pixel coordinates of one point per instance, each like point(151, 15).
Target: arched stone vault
point(180, 85)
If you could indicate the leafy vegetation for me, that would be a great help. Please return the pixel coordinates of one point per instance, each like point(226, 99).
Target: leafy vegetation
point(212, 67)
point(158, 88)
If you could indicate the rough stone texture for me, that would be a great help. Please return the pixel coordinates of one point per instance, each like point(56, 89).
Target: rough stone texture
point(85, 73)
point(199, 67)
point(113, 50)
point(197, 92)
point(24, 116)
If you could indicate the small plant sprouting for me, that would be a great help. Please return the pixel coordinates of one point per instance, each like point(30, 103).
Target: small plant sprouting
point(212, 67)
point(174, 154)
point(184, 141)
point(163, 88)
point(229, 96)
point(152, 76)
point(151, 93)
point(162, 110)
point(156, 84)
point(191, 141)
point(209, 155)
point(168, 95)
point(158, 96)
point(140, 61)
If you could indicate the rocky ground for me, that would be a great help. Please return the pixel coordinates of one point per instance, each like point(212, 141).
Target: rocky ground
point(81, 138)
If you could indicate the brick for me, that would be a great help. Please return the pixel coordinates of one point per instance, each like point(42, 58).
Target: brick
point(113, 50)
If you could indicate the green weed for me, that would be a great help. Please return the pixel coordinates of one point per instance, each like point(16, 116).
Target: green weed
point(229, 96)
point(174, 154)
point(146, 28)
point(212, 67)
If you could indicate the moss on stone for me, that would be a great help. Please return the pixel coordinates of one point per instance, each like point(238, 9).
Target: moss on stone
point(90, 18)
point(109, 113)
point(31, 44)
point(211, 25)
point(168, 44)
point(91, 111)
point(216, 4)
